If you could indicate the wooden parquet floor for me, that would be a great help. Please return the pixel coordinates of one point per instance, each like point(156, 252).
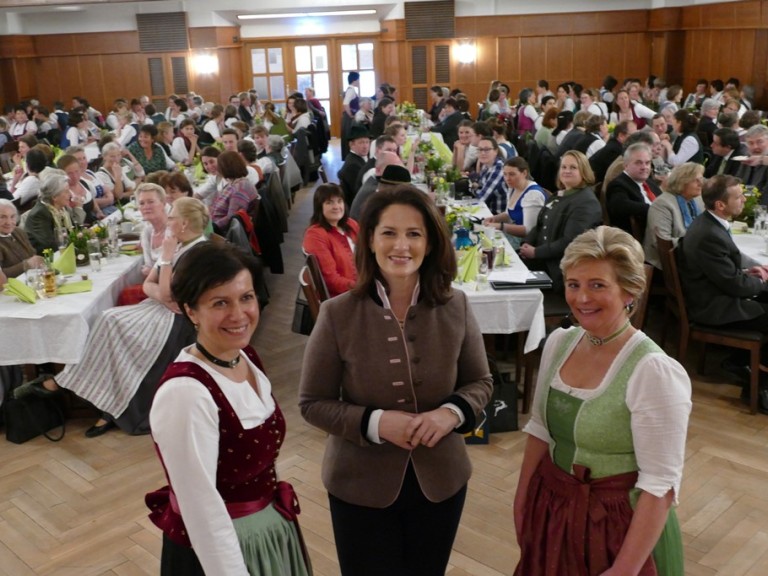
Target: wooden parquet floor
point(76, 508)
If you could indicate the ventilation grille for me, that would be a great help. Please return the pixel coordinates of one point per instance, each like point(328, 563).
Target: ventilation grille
point(442, 65)
point(429, 20)
point(419, 64)
point(420, 98)
point(179, 71)
point(156, 77)
point(166, 32)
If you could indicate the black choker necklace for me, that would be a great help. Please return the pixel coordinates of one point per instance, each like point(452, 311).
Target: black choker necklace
point(218, 361)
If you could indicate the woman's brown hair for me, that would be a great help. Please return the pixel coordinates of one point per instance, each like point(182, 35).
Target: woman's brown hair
point(324, 193)
point(439, 266)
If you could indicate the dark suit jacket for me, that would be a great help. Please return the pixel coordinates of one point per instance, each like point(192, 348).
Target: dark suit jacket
point(559, 222)
point(755, 176)
point(370, 163)
point(731, 166)
point(348, 176)
point(624, 200)
point(604, 157)
point(449, 128)
point(40, 228)
point(570, 140)
point(716, 289)
point(706, 130)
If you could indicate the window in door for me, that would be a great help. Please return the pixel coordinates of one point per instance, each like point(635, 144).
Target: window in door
point(359, 58)
point(312, 72)
point(269, 74)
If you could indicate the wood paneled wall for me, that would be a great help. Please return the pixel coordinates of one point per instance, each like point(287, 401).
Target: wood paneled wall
point(680, 44)
point(105, 66)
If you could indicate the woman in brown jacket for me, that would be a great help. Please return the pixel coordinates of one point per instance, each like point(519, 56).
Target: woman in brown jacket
point(395, 371)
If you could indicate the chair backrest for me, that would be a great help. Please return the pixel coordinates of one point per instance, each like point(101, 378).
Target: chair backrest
point(317, 277)
point(602, 195)
point(675, 296)
point(641, 306)
point(6, 162)
point(313, 286)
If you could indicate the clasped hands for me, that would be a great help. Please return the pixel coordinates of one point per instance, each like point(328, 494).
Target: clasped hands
point(408, 430)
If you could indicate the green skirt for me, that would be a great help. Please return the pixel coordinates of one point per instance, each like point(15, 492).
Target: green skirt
point(270, 544)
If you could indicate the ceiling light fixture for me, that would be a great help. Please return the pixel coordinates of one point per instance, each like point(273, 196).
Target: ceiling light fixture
point(306, 14)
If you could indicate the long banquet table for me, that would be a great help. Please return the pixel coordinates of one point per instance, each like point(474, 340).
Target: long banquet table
point(507, 311)
point(753, 246)
point(56, 329)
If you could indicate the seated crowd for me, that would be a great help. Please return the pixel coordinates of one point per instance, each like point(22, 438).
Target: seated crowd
point(190, 172)
point(551, 166)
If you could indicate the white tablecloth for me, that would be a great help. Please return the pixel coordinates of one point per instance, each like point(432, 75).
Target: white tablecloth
point(507, 311)
point(753, 246)
point(56, 329)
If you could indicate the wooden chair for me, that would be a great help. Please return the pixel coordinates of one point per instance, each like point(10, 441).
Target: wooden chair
point(313, 285)
point(750, 340)
point(641, 306)
point(602, 195)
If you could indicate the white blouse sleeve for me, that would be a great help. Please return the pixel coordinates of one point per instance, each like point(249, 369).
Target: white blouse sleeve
point(532, 203)
point(688, 148)
point(659, 398)
point(178, 150)
point(213, 129)
point(28, 189)
point(185, 426)
point(642, 111)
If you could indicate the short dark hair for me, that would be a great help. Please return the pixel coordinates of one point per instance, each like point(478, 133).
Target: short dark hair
point(482, 129)
point(150, 109)
point(439, 266)
point(451, 101)
point(609, 82)
point(543, 84)
point(437, 90)
point(323, 193)
point(207, 266)
point(150, 129)
point(230, 131)
point(622, 128)
point(718, 85)
point(176, 180)
point(210, 152)
point(383, 139)
point(734, 81)
point(182, 104)
point(518, 162)
point(716, 189)
point(728, 137)
point(36, 160)
point(384, 102)
point(248, 150)
point(232, 165)
point(749, 118)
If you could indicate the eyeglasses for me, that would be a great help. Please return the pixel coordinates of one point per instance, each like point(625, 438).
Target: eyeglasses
point(485, 149)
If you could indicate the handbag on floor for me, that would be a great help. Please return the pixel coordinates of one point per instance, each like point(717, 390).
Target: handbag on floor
point(31, 416)
point(502, 409)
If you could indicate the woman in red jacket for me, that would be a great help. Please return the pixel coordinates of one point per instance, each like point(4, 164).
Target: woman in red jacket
point(331, 237)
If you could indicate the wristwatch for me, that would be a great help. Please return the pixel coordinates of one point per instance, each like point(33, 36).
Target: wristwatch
point(161, 263)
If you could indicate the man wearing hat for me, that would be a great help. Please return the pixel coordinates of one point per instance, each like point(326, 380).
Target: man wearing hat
point(389, 172)
point(351, 105)
point(359, 144)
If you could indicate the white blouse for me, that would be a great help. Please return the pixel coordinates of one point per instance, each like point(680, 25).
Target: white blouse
point(185, 425)
point(659, 398)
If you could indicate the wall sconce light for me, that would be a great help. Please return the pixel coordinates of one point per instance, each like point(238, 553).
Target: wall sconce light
point(466, 52)
point(205, 64)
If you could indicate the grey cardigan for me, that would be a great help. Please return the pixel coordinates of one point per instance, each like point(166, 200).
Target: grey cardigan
point(358, 359)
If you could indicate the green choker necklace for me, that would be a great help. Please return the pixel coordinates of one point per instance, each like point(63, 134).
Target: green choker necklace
point(596, 341)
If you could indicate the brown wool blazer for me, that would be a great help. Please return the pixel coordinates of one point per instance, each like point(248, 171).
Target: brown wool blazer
point(358, 359)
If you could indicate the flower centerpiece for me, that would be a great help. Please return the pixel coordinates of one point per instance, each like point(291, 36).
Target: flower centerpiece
point(753, 199)
point(101, 232)
point(408, 113)
point(78, 237)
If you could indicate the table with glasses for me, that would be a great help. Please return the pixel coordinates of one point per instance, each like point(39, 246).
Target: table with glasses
point(753, 245)
point(506, 311)
point(56, 329)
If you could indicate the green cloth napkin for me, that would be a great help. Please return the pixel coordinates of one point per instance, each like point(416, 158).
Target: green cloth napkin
point(131, 251)
point(16, 287)
point(441, 148)
point(65, 263)
point(468, 264)
point(76, 287)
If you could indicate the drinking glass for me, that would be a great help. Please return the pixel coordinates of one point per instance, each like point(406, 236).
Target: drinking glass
point(94, 254)
point(482, 272)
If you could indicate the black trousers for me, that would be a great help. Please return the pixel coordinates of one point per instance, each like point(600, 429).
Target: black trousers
point(412, 537)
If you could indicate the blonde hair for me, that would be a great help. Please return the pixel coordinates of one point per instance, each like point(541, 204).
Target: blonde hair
point(682, 175)
point(194, 212)
point(612, 245)
point(585, 170)
point(146, 187)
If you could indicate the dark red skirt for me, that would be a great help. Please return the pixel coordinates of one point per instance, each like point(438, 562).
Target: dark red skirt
point(575, 525)
point(131, 295)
